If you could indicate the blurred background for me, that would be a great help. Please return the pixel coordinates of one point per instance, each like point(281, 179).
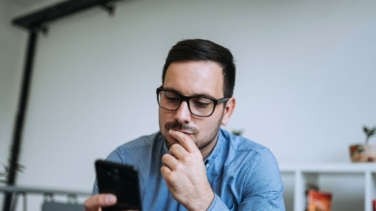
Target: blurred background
point(306, 79)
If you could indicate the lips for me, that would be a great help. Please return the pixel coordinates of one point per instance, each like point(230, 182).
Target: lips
point(181, 131)
point(185, 132)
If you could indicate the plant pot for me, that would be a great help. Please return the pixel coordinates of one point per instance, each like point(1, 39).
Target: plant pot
point(363, 153)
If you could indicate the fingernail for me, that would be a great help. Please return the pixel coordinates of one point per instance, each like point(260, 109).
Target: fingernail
point(110, 199)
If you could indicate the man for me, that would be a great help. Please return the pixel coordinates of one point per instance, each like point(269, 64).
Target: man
point(192, 164)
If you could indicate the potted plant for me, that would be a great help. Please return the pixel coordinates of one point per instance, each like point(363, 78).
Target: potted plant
point(237, 132)
point(364, 152)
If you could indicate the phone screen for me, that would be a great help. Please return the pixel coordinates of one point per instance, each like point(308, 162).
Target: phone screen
point(120, 180)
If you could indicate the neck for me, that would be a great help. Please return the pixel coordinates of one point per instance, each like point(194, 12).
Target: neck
point(205, 152)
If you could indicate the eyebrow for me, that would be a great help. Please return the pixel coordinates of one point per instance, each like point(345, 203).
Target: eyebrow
point(205, 95)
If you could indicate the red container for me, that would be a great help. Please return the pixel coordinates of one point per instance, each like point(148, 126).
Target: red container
point(374, 204)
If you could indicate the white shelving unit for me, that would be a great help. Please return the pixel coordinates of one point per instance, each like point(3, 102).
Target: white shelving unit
point(312, 173)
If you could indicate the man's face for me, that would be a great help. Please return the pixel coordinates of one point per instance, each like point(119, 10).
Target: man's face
point(192, 78)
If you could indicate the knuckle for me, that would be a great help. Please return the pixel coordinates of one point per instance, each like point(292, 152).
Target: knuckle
point(163, 170)
point(175, 147)
point(169, 176)
point(165, 157)
point(172, 148)
point(92, 202)
point(180, 167)
point(187, 159)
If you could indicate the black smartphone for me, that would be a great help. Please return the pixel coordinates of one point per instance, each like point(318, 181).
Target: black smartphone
point(120, 180)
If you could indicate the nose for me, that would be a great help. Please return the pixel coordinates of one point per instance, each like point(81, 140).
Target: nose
point(183, 115)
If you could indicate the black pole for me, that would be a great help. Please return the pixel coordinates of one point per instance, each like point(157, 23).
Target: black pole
point(34, 23)
point(21, 113)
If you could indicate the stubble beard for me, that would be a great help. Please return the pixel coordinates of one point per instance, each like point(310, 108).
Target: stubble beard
point(201, 144)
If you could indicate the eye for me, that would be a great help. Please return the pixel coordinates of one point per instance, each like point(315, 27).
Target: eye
point(171, 97)
point(201, 102)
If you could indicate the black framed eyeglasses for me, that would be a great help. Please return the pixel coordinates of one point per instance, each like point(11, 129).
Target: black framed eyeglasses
point(197, 105)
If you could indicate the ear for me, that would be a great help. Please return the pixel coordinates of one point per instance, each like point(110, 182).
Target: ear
point(229, 109)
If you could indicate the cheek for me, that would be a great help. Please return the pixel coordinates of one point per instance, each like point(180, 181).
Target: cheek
point(163, 115)
point(161, 119)
point(206, 127)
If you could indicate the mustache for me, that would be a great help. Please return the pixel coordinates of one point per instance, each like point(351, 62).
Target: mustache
point(180, 126)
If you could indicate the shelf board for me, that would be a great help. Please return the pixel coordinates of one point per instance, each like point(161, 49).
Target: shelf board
point(328, 167)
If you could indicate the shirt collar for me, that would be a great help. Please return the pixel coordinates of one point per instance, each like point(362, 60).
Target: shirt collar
point(210, 159)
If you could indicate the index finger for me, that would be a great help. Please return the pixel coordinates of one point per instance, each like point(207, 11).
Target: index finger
point(185, 141)
point(93, 203)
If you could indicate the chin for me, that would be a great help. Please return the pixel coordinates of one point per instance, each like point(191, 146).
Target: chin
point(169, 141)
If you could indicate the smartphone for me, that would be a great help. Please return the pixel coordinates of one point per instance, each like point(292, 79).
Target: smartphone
point(120, 180)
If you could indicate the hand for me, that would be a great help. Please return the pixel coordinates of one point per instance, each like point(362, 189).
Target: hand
point(94, 203)
point(185, 174)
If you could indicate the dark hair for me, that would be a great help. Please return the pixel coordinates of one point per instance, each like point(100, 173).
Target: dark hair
point(204, 50)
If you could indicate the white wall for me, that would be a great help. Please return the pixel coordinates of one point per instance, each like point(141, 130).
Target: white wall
point(305, 81)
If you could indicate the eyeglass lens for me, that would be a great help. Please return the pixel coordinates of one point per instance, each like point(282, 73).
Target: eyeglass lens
point(198, 105)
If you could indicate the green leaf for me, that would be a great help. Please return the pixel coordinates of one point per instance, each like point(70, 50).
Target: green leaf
point(365, 129)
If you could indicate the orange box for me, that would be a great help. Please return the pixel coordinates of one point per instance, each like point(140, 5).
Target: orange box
point(319, 201)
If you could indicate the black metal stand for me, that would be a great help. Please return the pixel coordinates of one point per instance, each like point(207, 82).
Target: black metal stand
point(17, 134)
point(34, 23)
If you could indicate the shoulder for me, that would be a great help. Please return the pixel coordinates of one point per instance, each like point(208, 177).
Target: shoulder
point(140, 142)
point(251, 156)
point(257, 166)
point(141, 146)
point(240, 144)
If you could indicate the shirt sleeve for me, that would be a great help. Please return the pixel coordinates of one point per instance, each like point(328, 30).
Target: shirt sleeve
point(218, 204)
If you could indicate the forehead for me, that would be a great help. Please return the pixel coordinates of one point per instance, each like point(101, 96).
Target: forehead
point(195, 78)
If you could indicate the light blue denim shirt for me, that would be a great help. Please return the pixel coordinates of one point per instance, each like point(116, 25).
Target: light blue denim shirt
point(243, 174)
